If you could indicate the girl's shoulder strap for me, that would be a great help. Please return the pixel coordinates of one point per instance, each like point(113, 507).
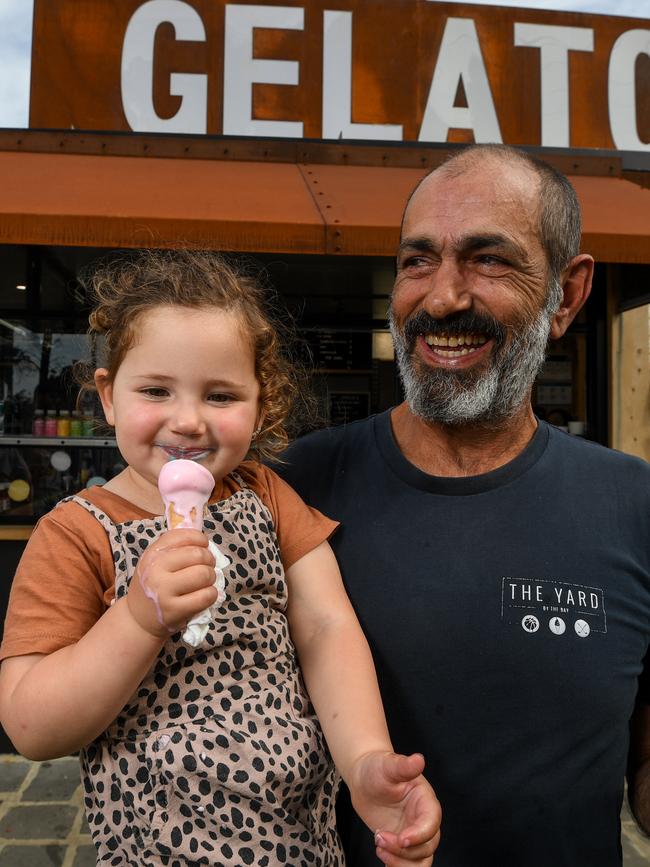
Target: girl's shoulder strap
point(107, 523)
point(240, 481)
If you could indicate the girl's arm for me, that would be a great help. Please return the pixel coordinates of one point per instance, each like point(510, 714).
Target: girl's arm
point(388, 791)
point(53, 705)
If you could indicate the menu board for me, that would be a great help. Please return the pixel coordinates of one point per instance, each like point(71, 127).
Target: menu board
point(341, 350)
point(346, 406)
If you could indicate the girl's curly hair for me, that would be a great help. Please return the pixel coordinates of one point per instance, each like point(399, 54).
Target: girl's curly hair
point(126, 288)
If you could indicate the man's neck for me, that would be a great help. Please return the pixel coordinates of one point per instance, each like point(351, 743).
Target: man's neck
point(461, 450)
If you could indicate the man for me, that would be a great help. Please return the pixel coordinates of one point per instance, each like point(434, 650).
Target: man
point(500, 568)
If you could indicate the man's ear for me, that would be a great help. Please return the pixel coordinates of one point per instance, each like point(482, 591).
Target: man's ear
point(576, 286)
point(104, 387)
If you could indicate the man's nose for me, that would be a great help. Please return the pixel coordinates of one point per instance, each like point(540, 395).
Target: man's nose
point(448, 291)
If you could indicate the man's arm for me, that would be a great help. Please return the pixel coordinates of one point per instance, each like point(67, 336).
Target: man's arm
point(638, 770)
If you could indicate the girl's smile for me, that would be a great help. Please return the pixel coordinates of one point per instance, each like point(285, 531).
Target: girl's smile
point(186, 389)
point(190, 454)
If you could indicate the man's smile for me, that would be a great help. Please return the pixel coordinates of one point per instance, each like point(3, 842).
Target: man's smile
point(456, 349)
point(456, 345)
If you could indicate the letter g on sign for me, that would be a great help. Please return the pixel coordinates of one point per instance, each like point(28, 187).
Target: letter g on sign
point(137, 70)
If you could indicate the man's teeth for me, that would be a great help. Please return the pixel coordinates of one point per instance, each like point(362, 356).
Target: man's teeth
point(456, 345)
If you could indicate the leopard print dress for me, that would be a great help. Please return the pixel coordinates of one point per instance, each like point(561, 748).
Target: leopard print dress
point(218, 758)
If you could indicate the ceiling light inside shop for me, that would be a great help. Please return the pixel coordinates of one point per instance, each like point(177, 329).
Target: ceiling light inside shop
point(21, 286)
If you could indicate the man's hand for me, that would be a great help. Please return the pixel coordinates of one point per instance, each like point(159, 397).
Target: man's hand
point(392, 797)
point(173, 581)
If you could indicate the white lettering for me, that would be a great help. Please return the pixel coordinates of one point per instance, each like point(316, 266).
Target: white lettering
point(512, 591)
point(337, 85)
point(525, 592)
point(558, 593)
point(554, 44)
point(582, 598)
point(242, 70)
point(569, 598)
point(137, 70)
point(460, 59)
point(594, 600)
point(622, 89)
point(538, 593)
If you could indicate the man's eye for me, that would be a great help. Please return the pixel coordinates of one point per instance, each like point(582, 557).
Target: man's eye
point(413, 262)
point(490, 260)
point(154, 391)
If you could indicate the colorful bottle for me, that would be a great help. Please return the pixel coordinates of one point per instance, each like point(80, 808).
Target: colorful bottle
point(63, 424)
point(50, 423)
point(38, 428)
point(84, 473)
point(75, 424)
point(87, 426)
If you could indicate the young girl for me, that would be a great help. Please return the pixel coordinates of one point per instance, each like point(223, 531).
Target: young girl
point(207, 755)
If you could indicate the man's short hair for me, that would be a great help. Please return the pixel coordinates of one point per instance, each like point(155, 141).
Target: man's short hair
point(560, 223)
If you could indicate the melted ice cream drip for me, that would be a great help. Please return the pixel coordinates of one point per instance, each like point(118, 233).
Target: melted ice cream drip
point(185, 488)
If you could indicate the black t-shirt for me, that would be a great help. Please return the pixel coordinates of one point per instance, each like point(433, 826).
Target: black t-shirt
point(509, 617)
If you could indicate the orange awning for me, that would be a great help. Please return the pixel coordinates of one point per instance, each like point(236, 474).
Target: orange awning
point(280, 207)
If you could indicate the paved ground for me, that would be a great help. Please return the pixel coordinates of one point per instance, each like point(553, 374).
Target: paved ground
point(42, 822)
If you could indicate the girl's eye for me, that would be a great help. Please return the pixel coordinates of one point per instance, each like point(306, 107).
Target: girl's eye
point(154, 391)
point(219, 397)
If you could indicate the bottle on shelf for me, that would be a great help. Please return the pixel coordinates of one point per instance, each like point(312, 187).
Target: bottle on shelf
point(75, 424)
point(87, 425)
point(84, 473)
point(50, 423)
point(38, 427)
point(63, 424)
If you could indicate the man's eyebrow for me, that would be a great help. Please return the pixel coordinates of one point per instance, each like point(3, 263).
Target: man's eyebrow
point(471, 243)
point(465, 245)
point(422, 245)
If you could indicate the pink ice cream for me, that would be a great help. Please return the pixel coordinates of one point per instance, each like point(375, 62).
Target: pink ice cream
point(185, 487)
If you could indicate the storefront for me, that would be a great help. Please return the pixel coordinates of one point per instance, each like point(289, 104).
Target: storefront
point(293, 134)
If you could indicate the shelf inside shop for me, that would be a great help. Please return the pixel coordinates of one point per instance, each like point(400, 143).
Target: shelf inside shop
point(87, 442)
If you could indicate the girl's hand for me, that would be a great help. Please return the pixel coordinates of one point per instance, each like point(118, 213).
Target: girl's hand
point(396, 802)
point(173, 581)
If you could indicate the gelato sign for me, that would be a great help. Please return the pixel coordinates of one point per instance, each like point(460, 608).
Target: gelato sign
point(353, 69)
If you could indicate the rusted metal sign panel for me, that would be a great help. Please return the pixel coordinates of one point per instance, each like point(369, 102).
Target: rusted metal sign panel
point(389, 70)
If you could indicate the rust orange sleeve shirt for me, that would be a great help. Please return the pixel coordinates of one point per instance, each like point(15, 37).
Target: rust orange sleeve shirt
point(65, 579)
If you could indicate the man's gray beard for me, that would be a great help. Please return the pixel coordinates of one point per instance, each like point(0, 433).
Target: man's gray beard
point(485, 396)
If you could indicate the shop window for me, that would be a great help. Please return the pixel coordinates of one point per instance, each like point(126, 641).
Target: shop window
point(560, 392)
point(14, 278)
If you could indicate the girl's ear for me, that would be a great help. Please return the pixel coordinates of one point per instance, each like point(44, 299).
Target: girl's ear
point(104, 387)
point(258, 427)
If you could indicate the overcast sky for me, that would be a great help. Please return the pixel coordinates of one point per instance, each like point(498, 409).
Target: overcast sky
point(16, 36)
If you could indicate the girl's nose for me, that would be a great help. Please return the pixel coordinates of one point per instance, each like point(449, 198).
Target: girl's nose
point(188, 420)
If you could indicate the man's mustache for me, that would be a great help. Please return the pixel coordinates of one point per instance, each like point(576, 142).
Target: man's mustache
point(453, 326)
